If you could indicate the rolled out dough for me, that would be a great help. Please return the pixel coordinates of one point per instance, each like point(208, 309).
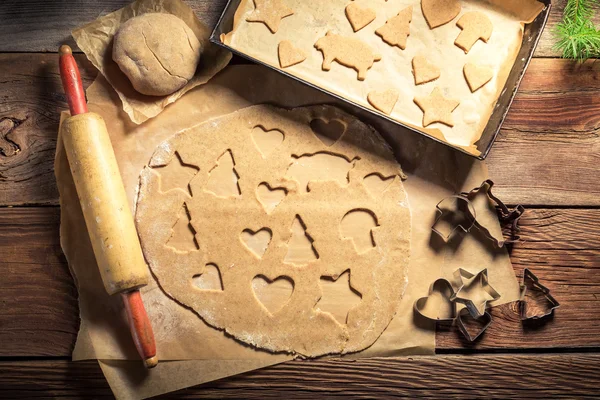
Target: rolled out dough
point(286, 197)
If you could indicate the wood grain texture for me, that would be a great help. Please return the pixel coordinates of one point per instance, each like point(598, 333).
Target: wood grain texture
point(41, 26)
point(554, 122)
point(31, 99)
point(560, 245)
point(456, 377)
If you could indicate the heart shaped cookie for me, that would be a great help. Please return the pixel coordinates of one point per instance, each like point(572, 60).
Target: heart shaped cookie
point(289, 55)
point(440, 12)
point(383, 101)
point(477, 76)
point(424, 71)
point(358, 16)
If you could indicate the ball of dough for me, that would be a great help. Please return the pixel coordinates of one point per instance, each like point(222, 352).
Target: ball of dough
point(159, 53)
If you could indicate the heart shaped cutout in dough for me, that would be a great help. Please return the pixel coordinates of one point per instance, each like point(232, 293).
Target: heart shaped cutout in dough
point(359, 17)
point(329, 132)
point(272, 294)
point(289, 54)
point(266, 140)
point(440, 12)
point(257, 242)
point(377, 184)
point(383, 101)
point(269, 197)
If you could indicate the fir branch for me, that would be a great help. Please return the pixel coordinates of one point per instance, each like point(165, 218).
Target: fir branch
point(577, 36)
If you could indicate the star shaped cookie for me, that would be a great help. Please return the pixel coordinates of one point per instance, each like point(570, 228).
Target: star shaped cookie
point(437, 108)
point(270, 13)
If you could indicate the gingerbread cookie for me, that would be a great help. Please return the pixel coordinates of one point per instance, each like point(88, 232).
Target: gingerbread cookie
point(440, 12)
point(383, 101)
point(475, 25)
point(358, 16)
point(437, 108)
point(349, 52)
point(397, 29)
point(270, 13)
point(424, 71)
point(289, 55)
point(477, 76)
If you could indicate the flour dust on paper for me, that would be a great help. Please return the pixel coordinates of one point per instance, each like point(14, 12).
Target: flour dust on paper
point(288, 229)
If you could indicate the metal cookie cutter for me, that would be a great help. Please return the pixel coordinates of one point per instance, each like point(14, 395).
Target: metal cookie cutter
point(476, 307)
point(458, 212)
point(532, 283)
point(473, 319)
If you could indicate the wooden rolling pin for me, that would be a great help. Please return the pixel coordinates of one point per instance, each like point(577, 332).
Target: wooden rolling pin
point(105, 207)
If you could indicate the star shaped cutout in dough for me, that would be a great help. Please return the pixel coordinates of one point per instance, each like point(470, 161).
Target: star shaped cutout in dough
point(437, 108)
point(474, 291)
point(177, 174)
point(269, 12)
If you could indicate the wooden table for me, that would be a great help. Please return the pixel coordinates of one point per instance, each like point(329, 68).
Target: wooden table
point(546, 158)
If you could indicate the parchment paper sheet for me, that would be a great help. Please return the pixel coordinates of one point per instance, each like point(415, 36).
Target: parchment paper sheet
point(312, 19)
point(96, 41)
point(434, 171)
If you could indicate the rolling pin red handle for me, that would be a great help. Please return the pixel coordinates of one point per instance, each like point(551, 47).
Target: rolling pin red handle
point(71, 80)
point(139, 325)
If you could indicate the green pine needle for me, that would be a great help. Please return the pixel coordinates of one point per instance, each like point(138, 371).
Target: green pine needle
point(578, 38)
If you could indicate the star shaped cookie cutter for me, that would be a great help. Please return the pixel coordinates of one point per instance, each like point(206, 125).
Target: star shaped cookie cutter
point(476, 308)
point(459, 212)
point(531, 282)
point(474, 313)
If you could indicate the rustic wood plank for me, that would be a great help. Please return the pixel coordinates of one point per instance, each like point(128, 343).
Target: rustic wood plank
point(460, 377)
point(39, 310)
point(39, 315)
point(31, 99)
point(553, 123)
point(40, 26)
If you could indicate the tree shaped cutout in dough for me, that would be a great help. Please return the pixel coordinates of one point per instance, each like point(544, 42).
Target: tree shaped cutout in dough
point(300, 246)
point(183, 237)
point(223, 179)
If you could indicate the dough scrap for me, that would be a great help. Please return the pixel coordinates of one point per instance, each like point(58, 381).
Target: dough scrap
point(440, 12)
point(383, 101)
point(475, 25)
point(298, 327)
point(289, 55)
point(270, 13)
point(155, 66)
point(348, 51)
point(359, 17)
point(396, 30)
point(437, 108)
point(477, 76)
point(424, 71)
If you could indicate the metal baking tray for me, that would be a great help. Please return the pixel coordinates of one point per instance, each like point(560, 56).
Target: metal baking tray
point(531, 37)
